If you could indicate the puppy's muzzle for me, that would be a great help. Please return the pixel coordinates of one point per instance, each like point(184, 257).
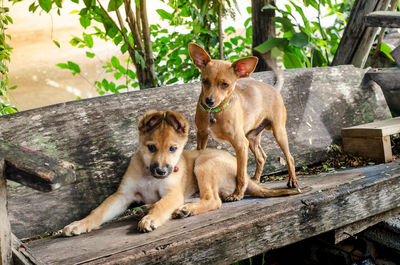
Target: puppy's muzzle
point(160, 172)
point(210, 101)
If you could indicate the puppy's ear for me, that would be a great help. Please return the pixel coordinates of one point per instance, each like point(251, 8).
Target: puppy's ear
point(199, 56)
point(150, 120)
point(177, 121)
point(245, 66)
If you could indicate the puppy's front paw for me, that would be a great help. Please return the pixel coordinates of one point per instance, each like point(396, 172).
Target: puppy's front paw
point(77, 228)
point(182, 212)
point(148, 224)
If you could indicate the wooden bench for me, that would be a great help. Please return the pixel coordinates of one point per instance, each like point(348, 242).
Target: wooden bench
point(99, 135)
point(371, 139)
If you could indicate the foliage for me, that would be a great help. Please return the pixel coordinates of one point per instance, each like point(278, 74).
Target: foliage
point(307, 43)
point(5, 51)
point(190, 21)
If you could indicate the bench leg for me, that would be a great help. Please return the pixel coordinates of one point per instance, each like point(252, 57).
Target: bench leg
point(5, 230)
point(377, 148)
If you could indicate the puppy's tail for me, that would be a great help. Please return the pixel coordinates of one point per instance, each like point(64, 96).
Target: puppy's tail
point(279, 80)
point(256, 190)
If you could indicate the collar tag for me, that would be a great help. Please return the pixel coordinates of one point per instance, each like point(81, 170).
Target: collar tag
point(176, 169)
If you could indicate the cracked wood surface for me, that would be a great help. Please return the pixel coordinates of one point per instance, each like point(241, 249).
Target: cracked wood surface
point(99, 135)
point(240, 229)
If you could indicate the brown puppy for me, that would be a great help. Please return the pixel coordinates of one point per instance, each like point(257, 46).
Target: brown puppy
point(237, 109)
point(163, 176)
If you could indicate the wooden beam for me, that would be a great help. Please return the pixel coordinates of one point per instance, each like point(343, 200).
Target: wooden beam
point(22, 254)
point(387, 19)
point(357, 39)
point(100, 134)
point(396, 55)
point(34, 169)
point(5, 230)
point(357, 227)
point(238, 230)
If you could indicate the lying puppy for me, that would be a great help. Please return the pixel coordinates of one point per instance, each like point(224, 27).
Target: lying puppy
point(237, 109)
point(163, 175)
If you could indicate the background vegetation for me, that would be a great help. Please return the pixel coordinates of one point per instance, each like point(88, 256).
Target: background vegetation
point(158, 55)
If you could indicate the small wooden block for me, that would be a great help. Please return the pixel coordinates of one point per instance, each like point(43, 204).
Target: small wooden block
point(387, 19)
point(372, 139)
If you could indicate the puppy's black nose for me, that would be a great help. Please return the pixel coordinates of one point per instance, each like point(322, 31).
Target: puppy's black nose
point(161, 171)
point(210, 101)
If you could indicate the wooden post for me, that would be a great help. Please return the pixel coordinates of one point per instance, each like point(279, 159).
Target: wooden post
point(357, 38)
point(5, 230)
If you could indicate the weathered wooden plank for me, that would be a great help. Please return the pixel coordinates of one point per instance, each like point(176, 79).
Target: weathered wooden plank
point(357, 227)
point(238, 230)
point(100, 134)
point(5, 230)
point(373, 129)
point(34, 169)
point(396, 55)
point(22, 254)
point(357, 39)
point(388, 79)
point(377, 148)
point(387, 19)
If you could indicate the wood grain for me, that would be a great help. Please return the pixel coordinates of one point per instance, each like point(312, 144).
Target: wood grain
point(357, 39)
point(5, 230)
point(387, 19)
point(238, 230)
point(34, 169)
point(99, 135)
point(374, 129)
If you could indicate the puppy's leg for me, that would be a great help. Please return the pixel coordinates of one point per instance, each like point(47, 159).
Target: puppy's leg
point(260, 156)
point(241, 146)
point(206, 174)
point(161, 211)
point(110, 208)
point(280, 134)
point(202, 138)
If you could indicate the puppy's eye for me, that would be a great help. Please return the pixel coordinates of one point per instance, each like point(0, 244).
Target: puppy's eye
point(224, 85)
point(172, 149)
point(206, 82)
point(152, 148)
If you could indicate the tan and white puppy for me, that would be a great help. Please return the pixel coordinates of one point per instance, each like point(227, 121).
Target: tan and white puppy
point(162, 175)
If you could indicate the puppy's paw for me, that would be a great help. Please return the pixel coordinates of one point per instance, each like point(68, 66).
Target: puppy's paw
point(233, 197)
point(77, 228)
point(143, 210)
point(182, 212)
point(292, 183)
point(148, 224)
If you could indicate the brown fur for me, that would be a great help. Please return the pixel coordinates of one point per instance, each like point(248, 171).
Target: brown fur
point(212, 172)
point(253, 107)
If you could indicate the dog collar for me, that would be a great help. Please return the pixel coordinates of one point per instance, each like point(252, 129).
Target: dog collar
point(214, 110)
point(176, 169)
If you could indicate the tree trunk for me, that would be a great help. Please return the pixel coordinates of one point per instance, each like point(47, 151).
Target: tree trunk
point(263, 29)
point(220, 31)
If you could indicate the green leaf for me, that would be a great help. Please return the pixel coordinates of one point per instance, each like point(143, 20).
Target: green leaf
point(62, 65)
point(269, 44)
point(299, 40)
point(276, 52)
point(386, 49)
point(290, 60)
point(90, 54)
point(164, 14)
point(45, 5)
point(287, 24)
point(318, 59)
point(74, 67)
point(88, 40)
point(114, 5)
point(85, 21)
point(115, 62)
point(57, 43)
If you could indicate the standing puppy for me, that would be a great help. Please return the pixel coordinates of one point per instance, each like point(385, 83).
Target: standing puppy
point(237, 109)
